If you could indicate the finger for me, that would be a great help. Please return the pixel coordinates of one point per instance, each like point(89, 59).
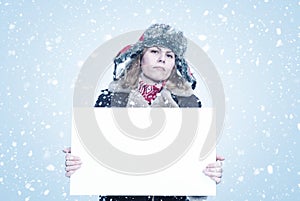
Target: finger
point(213, 174)
point(217, 180)
point(70, 157)
point(211, 165)
point(220, 158)
point(69, 173)
point(214, 165)
point(72, 168)
point(71, 163)
point(215, 169)
point(67, 150)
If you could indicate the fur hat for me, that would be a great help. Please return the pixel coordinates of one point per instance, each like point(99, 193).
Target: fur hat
point(160, 35)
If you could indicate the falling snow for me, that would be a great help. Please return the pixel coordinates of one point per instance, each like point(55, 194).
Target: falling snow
point(270, 169)
point(46, 192)
point(254, 45)
point(50, 167)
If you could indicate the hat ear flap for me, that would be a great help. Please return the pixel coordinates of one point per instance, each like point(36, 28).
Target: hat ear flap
point(122, 61)
point(185, 71)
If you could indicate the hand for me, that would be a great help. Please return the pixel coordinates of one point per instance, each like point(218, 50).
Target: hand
point(72, 163)
point(214, 170)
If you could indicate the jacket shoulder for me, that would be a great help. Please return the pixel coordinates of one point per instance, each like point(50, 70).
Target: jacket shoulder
point(104, 99)
point(112, 99)
point(187, 101)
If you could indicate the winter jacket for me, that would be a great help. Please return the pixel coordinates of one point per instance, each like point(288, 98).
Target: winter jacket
point(151, 198)
point(169, 96)
point(116, 96)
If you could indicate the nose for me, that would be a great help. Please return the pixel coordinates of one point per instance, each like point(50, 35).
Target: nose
point(162, 58)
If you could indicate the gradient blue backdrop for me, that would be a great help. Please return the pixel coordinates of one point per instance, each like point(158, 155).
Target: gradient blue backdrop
point(254, 45)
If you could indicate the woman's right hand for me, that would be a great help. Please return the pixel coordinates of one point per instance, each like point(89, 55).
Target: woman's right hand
point(72, 163)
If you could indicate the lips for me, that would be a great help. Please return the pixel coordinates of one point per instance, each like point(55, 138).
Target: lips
point(159, 68)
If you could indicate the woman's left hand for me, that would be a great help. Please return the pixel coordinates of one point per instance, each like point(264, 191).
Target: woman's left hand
point(214, 170)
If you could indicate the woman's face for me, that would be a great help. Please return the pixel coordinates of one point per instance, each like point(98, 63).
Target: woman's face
point(157, 63)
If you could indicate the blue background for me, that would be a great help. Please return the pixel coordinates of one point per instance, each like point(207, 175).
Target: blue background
point(254, 45)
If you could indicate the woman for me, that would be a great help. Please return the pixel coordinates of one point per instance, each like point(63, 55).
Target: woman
point(151, 73)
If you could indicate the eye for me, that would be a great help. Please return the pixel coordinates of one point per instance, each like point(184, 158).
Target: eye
point(170, 56)
point(154, 51)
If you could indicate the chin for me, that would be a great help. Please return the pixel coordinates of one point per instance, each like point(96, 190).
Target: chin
point(160, 79)
point(157, 77)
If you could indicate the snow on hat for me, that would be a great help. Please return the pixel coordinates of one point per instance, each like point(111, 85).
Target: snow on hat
point(160, 35)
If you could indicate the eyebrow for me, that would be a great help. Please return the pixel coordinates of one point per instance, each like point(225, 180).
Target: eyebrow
point(168, 51)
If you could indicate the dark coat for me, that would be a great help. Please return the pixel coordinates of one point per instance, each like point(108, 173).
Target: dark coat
point(120, 99)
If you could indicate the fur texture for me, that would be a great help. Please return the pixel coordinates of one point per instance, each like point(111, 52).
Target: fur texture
point(163, 99)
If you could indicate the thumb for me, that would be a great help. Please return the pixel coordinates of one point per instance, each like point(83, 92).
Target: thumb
point(67, 150)
point(220, 158)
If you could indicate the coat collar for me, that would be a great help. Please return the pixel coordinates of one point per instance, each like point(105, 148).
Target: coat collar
point(186, 91)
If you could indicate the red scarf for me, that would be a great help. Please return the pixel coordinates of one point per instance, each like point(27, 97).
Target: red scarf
point(149, 92)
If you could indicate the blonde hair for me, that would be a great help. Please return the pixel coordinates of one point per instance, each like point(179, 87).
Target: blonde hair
point(133, 71)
